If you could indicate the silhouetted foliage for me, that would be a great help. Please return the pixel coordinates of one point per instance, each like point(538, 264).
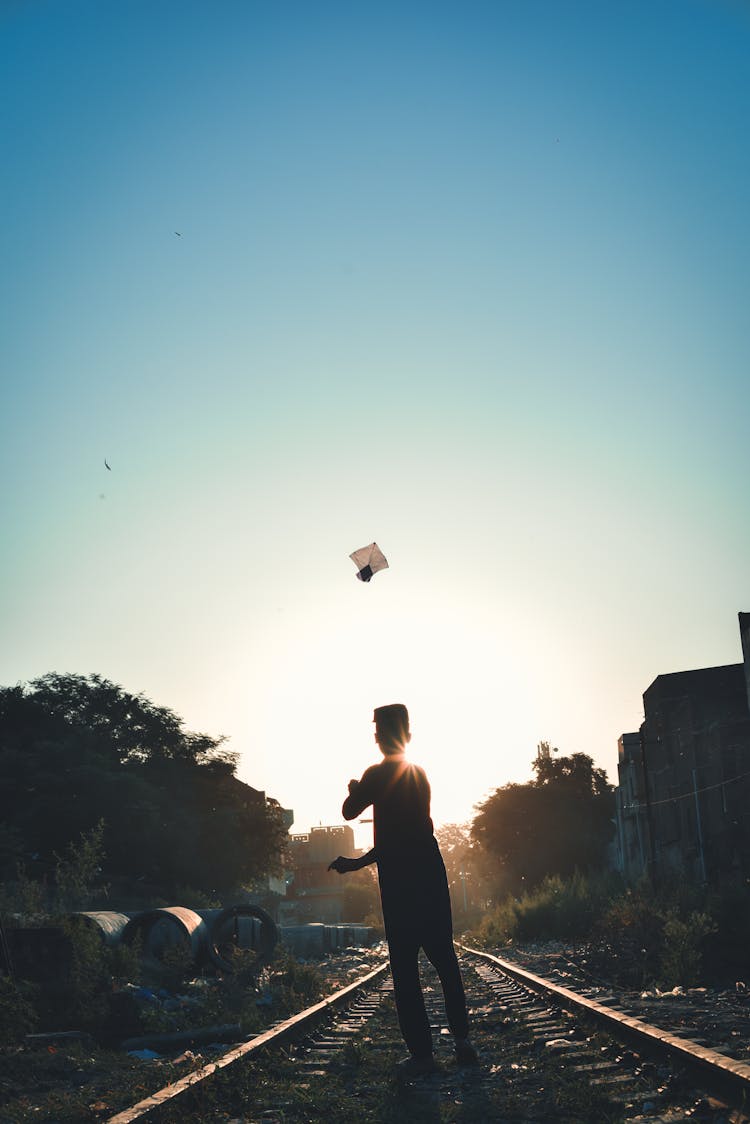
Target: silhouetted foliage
point(556, 824)
point(76, 750)
point(460, 861)
point(361, 896)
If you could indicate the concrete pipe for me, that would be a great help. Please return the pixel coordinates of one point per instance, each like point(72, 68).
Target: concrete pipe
point(109, 923)
point(244, 927)
point(168, 927)
point(306, 940)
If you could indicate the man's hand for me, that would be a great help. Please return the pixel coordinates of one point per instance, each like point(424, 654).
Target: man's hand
point(343, 865)
point(353, 784)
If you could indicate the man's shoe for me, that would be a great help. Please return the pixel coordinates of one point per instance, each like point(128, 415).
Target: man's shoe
point(416, 1067)
point(465, 1052)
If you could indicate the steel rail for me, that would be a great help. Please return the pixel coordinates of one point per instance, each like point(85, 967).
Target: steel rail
point(290, 1028)
point(721, 1073)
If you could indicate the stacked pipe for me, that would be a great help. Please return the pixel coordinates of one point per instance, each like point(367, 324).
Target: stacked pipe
point(209, 936)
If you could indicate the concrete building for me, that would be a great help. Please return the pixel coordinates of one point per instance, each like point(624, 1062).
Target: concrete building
point(683, 801)
point(631, 837)
point(313, 892)
point(745, 638)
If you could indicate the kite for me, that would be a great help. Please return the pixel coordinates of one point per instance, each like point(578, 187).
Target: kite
point(107, 466)
point(368, 560)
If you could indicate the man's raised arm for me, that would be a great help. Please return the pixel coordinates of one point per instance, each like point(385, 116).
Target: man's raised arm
point(358, 799)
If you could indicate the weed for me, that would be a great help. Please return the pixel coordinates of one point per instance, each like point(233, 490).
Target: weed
point(24, 898)
point(682, 948)
point(77, 872)
point(562, 909)
point(17, 1014)
point(295, 984)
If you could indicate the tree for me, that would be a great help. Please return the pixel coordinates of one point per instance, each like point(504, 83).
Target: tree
point(575, 774)
point(76, 750)
point(124, 727)
point(361, 897)
point(557, 823)
point(78, 872)
point(459, 857)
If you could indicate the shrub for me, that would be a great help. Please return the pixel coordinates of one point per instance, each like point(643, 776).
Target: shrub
point(659, 936)
point(195, 898)
point(77, 872)
point(296, 984)
point(24, 898)
point(83, 994)
point(17, 1015)
point(682, 947)
point(173, 968)
point(501, 925)
point(557, 909)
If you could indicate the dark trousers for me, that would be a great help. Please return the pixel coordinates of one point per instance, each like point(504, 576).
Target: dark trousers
point(417, 915)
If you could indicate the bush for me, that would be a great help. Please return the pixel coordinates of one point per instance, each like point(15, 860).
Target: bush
point(557, 909)
point(83, 995)
point(193, 898)
point(501, 925)
point(295, 984)
point(24, 898)
point(681, 957)
point(17, 1015)
point(77, 873)
point(633, 927)
point(643, 936)
point(659, 937)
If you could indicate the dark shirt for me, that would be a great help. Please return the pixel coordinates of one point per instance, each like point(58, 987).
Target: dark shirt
point(400, 795)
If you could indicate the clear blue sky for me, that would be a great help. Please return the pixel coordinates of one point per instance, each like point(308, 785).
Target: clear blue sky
point(468, 279)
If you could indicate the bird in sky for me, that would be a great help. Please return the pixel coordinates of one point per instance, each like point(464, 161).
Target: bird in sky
point(178, 233)
point(106, 465)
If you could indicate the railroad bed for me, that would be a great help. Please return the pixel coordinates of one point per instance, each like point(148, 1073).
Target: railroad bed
point(546, 1055)
point(708, 1016)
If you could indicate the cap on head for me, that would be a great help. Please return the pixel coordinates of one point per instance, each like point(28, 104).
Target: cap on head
point(392, 727)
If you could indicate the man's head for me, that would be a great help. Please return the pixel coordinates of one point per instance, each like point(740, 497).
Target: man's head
point(392, 728)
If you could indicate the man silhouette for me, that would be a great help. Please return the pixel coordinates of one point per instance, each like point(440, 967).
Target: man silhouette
point(413, 889)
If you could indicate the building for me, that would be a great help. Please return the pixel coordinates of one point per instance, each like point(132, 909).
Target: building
point(313, 892)
point(631, 836)
point(683, 801)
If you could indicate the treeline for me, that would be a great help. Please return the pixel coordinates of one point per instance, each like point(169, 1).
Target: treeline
point(556, 825)
point(103, 786)
point(80, 755)
point(559, 822)
point(100, 787)
point(535, 865)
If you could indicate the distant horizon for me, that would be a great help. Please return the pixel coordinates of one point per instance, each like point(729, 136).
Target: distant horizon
point(363, 831)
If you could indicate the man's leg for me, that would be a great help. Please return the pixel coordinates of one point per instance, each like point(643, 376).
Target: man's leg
point(407, 991)
point(441, 953)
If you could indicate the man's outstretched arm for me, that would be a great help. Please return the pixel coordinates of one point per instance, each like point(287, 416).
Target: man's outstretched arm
point(346, 866)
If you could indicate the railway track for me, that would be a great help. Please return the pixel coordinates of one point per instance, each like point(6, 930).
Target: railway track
point(547, 1053)
point(652, 1073)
